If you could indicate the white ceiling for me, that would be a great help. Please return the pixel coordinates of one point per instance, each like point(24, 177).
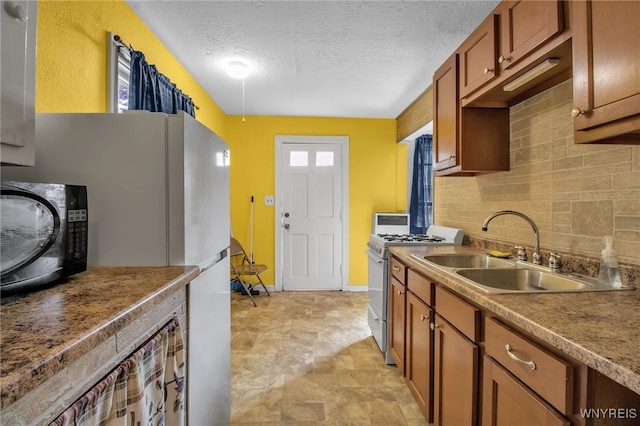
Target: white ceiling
point(366, 59)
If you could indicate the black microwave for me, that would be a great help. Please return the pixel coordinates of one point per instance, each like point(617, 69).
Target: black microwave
point(43, 233)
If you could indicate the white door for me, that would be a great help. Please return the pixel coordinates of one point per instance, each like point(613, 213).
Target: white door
point(311, 213)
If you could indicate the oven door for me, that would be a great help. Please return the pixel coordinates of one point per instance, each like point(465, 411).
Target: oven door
point(377, 308)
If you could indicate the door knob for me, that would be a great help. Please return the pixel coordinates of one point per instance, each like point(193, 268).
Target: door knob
point(17, 12)
point(286, 226)
point(286, 215)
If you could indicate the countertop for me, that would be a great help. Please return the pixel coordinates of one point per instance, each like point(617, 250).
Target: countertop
point(44, 331)
point(600, 329)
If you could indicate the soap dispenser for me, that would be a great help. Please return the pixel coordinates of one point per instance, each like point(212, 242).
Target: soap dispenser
point(609, 270)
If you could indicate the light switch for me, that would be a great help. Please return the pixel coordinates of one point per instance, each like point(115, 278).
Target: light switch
point(269, 200)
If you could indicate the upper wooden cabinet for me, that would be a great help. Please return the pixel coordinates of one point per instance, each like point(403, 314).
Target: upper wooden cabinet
point(17, 88)
point(478, 57)
point(461, 147)
point(525, 25)
point(606, 71)
point(495, 52)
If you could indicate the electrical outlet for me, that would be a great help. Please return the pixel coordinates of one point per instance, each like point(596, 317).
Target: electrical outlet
point(269, 200)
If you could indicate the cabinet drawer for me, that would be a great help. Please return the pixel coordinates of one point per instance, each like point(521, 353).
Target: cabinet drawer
point(505, 399)
point(421, 286)
point(398, 270)
point(463, 316)
point(549, 376)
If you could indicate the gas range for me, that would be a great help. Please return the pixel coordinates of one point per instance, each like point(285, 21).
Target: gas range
point(436, 235)
point(378, 271)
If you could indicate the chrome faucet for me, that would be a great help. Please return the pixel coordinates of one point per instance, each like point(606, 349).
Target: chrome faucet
point(536, 249)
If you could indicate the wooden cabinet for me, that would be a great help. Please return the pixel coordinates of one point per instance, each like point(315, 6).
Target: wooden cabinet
point(530, 382)
point(456, 367)
point(606, 71)
point(524, 26)
point(460, 148)
point(419, 341)
point(549, 376)
point(508, 402)
point(512, 32)
point(17, 88)
point(397, 307)
point(478, 61)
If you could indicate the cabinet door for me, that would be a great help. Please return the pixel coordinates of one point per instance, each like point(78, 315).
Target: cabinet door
point(397, 300)
point(17, 86)
point(506, 401)
point(606, 69)
point(419, 354)
point(525, 25)
point(478, 57)
point(446, 113)
point(456, 376)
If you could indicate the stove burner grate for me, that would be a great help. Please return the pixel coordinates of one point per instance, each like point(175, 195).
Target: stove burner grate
point(411, 238)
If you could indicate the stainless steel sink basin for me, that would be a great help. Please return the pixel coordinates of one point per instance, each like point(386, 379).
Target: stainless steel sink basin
point(495, 275)
point(468, 261)
point(523, 280)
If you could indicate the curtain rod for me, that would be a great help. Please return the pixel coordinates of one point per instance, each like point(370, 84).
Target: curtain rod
point(121, 43)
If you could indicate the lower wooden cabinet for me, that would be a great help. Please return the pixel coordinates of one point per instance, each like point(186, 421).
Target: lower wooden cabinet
point(508, 402)
point(397, 301)
point(456, 376)
point(419, 353)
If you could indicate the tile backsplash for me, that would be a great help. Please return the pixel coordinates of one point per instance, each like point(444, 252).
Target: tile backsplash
point(576, 194)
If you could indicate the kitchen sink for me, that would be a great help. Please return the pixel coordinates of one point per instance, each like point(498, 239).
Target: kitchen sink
point(496, 275)
point(468, 261)
point(525, 280)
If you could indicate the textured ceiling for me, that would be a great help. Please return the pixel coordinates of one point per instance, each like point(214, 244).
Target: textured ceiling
point(367, 59)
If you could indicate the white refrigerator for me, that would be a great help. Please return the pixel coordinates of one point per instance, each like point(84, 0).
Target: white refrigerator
point(158, 193)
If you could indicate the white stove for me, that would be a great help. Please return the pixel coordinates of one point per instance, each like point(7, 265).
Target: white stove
point(378, 269)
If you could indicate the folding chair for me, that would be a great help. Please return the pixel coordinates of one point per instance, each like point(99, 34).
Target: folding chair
point(241, 266)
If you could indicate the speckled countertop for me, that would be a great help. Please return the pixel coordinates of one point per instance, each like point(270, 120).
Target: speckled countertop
point(600, 329)
point(44, 331)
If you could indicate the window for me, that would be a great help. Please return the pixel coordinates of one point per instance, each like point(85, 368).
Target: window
point(119, 69)
point(324, 158)
point(299, 159)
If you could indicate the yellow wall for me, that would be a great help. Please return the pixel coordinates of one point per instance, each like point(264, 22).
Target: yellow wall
point(71, 76)
point(373, 178)
point(71, 61)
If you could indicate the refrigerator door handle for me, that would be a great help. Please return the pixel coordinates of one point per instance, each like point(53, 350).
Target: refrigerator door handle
point(221, 256)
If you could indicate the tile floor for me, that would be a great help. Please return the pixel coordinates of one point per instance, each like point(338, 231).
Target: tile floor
point(308, 358)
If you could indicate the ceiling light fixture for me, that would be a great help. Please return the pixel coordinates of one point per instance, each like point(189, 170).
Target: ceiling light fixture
point(237, 69)
point(530, 75)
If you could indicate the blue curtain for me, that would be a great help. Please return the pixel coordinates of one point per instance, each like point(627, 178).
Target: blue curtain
point(421, 203)
point(152, 91)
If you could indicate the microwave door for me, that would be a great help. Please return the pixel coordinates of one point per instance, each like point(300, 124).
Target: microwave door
point(30, 225)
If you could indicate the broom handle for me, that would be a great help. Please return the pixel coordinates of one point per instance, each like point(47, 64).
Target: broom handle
point(251, 234)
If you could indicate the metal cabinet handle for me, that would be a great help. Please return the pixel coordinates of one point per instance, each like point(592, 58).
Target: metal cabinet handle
point(422, 317)
point(433, 326)
point(502, 59)
point(487, 70)
point(396, 268)
point(400, 292)
point(577, 112)
point(530, 364)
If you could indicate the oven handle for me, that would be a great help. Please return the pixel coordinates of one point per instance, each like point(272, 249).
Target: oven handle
point(373, 256)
